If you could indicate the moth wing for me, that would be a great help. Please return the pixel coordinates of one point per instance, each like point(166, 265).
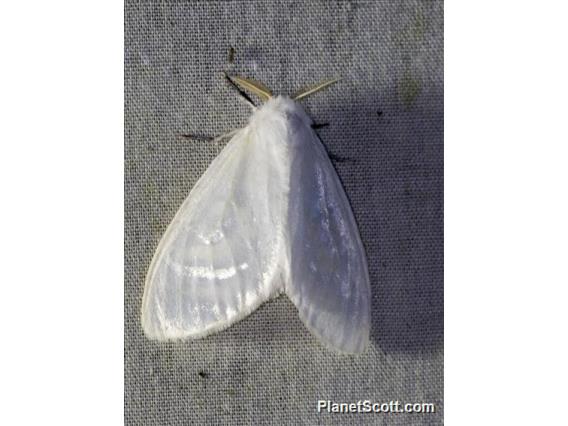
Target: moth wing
point(329, 279)
point(219, 258)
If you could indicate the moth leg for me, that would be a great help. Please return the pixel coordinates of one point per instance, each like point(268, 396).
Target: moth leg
point(196, 137)
point(208, 138)
point(316, 126)
point(334, 157)
point(338, 158)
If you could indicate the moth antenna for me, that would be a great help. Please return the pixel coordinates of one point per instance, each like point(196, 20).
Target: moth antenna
point(255, 87)
point(238, 89)
point(313, 89)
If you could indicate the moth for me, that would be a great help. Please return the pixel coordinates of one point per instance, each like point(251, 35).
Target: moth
point(269, 216)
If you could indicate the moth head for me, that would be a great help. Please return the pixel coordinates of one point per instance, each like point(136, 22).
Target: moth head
point(265, 93)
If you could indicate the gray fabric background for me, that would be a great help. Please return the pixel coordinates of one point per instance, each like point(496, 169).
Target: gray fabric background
point(268, 369)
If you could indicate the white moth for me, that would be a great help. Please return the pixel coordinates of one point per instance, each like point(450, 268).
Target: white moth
point(269, 216)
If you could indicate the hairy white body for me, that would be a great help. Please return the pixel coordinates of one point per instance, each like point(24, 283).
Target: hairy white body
point(269, 216)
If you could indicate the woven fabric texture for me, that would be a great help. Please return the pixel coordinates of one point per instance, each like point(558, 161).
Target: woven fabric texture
point(385, 134)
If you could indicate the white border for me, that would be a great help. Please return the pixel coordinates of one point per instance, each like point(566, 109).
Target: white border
point(506, 212)
point(61, 168)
